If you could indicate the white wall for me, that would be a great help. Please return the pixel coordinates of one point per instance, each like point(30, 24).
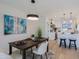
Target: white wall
point(5, 39)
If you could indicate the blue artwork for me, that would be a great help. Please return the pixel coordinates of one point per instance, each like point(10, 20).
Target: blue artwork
point(14, 25)
point(21, 25)
point(8, 24)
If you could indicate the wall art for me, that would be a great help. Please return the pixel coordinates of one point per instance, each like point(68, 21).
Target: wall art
point(14, 25)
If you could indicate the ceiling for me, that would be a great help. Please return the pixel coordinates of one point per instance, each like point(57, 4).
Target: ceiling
point(43, 7)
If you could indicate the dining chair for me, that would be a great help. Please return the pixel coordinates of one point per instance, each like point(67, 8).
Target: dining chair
point(41, 50)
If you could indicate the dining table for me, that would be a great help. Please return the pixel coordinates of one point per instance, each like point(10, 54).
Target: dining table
point(25, 44)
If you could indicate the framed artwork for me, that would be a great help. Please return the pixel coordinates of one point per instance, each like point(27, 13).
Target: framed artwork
point(14, 25)
point(21, 25)
point(8, 24)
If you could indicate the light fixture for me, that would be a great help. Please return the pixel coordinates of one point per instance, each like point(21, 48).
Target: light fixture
point(32, 1)
point(32, 17)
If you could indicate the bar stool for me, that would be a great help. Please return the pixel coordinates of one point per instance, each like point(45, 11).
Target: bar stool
point(72, 43)
point(62, 42)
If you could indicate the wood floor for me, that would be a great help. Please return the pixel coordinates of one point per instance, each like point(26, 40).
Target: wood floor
point(58, 52)
point(61, 52)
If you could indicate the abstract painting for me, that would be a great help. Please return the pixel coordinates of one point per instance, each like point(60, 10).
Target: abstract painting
point(21, 25)
point(8, 24)
point(14, 25)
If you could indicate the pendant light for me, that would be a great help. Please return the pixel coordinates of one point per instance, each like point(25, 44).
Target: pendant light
point(32, 16)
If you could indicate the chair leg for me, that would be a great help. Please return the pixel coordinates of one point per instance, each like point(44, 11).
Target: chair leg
point(41, 56)
point(70, 45)
point(65, 43)
point(46, 55)
point(75, 46)
point(33, 56)
point(60, 43)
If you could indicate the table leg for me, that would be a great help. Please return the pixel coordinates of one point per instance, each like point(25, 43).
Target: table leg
point(48, 44)
point(47, 47)
point(10, 49)
point(24, 54)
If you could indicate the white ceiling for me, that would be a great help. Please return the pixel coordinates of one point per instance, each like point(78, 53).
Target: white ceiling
point(43, 7)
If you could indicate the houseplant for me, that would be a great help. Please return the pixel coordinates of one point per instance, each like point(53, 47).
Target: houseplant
point(39, 34)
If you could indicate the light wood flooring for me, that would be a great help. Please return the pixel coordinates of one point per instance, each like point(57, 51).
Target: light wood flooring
point(58, 52)
point(61, 52)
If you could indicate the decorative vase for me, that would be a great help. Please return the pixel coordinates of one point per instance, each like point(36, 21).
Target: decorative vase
point(33, 37)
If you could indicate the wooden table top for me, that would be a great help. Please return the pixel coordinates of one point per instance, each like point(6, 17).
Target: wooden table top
point(26, 43)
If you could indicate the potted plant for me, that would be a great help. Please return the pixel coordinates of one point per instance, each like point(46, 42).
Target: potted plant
point(39, 34)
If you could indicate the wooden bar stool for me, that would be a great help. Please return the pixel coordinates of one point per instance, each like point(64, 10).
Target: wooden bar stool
point(72, 43)
point(62, 42)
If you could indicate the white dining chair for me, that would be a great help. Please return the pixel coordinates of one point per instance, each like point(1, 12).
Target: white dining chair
point(41, 50)
point(4, 56)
